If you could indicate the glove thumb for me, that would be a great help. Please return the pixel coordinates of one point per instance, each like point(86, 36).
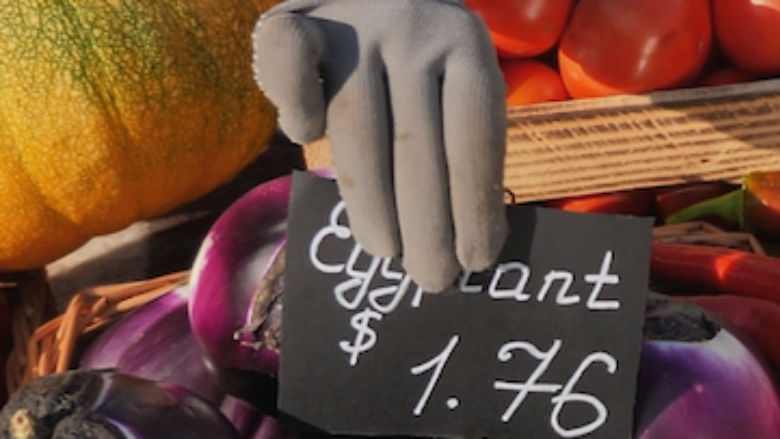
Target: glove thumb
point(288, 49)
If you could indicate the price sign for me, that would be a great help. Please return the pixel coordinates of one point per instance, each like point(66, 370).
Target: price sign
point(543, 345)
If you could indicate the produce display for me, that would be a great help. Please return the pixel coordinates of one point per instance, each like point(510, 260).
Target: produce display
point(530, 81)
point(605, 47)
point(634, 46)
point(691, 361)
point(113, 114)
point(740, 24)
point(242, 258)
point(155, 343)
point(717, 269)
point(525, 27)
point(755, 207)
point(758, 319)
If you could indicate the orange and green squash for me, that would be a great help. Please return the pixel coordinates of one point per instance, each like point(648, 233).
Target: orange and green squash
point(113, 111)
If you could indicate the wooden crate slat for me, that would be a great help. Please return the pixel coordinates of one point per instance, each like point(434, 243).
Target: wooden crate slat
point(595, 145)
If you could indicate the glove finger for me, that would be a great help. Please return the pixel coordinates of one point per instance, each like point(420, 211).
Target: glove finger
point(359, 132)
point(287, 52)
point(475, 143)
point(421, 178)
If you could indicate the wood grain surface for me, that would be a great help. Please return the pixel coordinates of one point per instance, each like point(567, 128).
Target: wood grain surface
point(603, 144)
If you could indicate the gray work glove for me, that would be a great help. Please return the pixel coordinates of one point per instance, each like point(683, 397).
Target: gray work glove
point(411, 97)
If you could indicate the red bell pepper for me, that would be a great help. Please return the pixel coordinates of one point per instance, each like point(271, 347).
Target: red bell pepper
point(758, 319)
point(720, 269)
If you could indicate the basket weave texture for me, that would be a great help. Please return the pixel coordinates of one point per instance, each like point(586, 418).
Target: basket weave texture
point(44, 346)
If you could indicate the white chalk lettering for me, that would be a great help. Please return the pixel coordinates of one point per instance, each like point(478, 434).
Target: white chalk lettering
point(566, 279)
point(509, 280)
point(599, 280)
point(523, 389)
point(417, 299)
point(517, 291)
point(567, 396)
point(394, 292)
point(334, 228)
point(365, 339)
point(464, 285)
point(358, 279)
point(437, 364)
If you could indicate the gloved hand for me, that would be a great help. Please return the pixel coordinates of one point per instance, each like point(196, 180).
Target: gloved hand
point(411, 97)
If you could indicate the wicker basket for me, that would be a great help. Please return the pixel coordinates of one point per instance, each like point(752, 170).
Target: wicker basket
point(44, 345)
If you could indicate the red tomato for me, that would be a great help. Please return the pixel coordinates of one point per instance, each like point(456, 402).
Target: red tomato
point(523, 27)
point(727, 75)
point(633, 46)
point(749, 32)
point(530, 81)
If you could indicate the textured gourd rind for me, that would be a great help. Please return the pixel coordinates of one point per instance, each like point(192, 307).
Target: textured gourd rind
point(117, 110)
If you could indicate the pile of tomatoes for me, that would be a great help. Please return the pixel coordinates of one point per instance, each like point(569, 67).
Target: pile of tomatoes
point(559, 49)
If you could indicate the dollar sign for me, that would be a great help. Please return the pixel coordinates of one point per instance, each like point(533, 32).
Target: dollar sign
point(365, 338)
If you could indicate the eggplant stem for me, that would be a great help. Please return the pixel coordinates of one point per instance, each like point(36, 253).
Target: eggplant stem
point(22, 425)
point(267, 293)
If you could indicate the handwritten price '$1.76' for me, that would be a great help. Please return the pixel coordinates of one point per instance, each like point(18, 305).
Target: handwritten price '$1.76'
point(565, 393)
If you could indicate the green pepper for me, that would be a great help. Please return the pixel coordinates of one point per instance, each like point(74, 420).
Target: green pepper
point(754, 207)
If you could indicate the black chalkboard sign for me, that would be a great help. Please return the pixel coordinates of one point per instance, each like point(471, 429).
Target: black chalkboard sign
point(545, 345)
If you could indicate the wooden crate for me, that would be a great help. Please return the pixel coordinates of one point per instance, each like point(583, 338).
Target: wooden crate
point(603, 144)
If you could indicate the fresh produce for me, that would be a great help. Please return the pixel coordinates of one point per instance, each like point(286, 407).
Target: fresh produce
point(749, 32)
point(235, 288)
point(717, 269)
point(698, 380)
point(672, 199)
point(522, 28)
point(107, 405)
point(155, 342)
point(758, 319)
point(754, 207)
point(530, 82)
point(634, 46)
point(628, 202)
point(115, 111)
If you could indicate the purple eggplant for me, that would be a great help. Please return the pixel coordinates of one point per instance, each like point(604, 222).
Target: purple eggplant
point(236, 277)
point(699, 380)
point(155, 342)
point(235, 291)
point(103, 404)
